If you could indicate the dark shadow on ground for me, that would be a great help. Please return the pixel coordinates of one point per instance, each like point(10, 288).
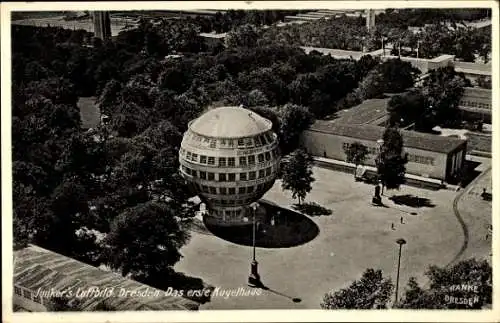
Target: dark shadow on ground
point(411, 201)
point(312, 209)
point(470, 173)
point(290, 229)
point(293, 299)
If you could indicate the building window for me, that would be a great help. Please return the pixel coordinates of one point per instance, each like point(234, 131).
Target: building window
point(203, 175)
point(250, 189)
point(223, 190)
point(231, 177)
point(232, 191)
point(268, 156)
point(241, 190)
point(230, 161)
point(241, 142)
point(188, 155)
point(27, 294)
point(222, 177)
point(213, 143)
point(203, 159)
point(211, 160)
point(251, 160)
point(230, 143)
point(251, 175)
point(18, 291)
point(213, 190)
point(248, 142)
point(205, 189)
point(194, 157)
point(261, 158)
point(260, 187)
point(222, 161)
point(243, 161)
point(263, 140)
point(268, 171)
point(261, 173)
point(243, 176)
point(223, 142)
point(211, 176)
point(230, 202)
point(193, 173)
point(257, 141)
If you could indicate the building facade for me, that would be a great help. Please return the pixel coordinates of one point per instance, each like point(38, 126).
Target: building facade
point(229, 156)
point(429, 155)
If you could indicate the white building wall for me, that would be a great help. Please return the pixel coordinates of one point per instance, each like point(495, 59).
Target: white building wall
point(421, 162)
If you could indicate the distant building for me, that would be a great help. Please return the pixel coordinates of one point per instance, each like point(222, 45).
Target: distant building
point(370, 19)
point(37, 269)
point(102, 25)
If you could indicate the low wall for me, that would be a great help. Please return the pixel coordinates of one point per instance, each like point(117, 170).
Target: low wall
point(414, 181)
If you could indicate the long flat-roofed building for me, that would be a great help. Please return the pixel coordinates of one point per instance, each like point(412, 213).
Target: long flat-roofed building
point(429, 155)
point(37, 269)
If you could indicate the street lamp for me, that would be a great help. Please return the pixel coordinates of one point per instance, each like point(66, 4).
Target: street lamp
point(254, 277)
point(400, 242)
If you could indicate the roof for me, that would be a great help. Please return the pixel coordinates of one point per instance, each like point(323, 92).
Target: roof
point(35, 267)
point(213, 35)
point(372, 111)
point(230, 122)
point(412, 139)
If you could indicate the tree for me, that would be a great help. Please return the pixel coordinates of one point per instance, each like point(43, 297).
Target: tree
point(297, 174)
point(243, 36)
point(443, 90)
point(390, 161)
point(372, 291)
point(293, 120)
point(145, 239)
point(356, 153)
point(484, 82)
point(465, 285)
point(407, 108)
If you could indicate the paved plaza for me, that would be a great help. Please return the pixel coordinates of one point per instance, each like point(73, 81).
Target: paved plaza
point(354, 237)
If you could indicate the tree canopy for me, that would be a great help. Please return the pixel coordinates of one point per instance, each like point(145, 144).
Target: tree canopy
point(297, 174)
point(371, 291)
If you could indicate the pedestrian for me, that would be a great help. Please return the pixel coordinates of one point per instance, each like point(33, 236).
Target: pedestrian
point(392, 226)
point(402, 220)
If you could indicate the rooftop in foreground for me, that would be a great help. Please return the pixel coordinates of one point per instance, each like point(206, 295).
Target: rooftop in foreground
point(35, 267)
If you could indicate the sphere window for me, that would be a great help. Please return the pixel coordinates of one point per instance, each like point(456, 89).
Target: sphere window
point(205, 189)
point(213, 143)
point(241, 142)
point(243, 176)
point(232, 190)
point(211, 160)
point(251, 175)
point(264, 140)
point(222, 162)
point(250, 189)
point(231, 177)
point(230, 161)
point(268, 156)
point(213, 190)
point(268, 171)
point(261, 173)
point(194, 157)
point(203, 175)
point(211, 176)
point(251, 160)
point(223, 190)
point(203, 159)
point(248, 142)
point(243, 161)
point(261, 158)
point(222, 177)
point(241, 190)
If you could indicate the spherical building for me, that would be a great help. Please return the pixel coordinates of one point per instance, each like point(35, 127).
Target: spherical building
point(230, 158)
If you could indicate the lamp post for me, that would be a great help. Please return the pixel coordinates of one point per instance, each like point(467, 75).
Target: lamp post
point(254, 277)
point(400, 242)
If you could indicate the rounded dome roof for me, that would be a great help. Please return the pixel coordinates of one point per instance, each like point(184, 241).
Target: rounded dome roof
point(230, 122)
